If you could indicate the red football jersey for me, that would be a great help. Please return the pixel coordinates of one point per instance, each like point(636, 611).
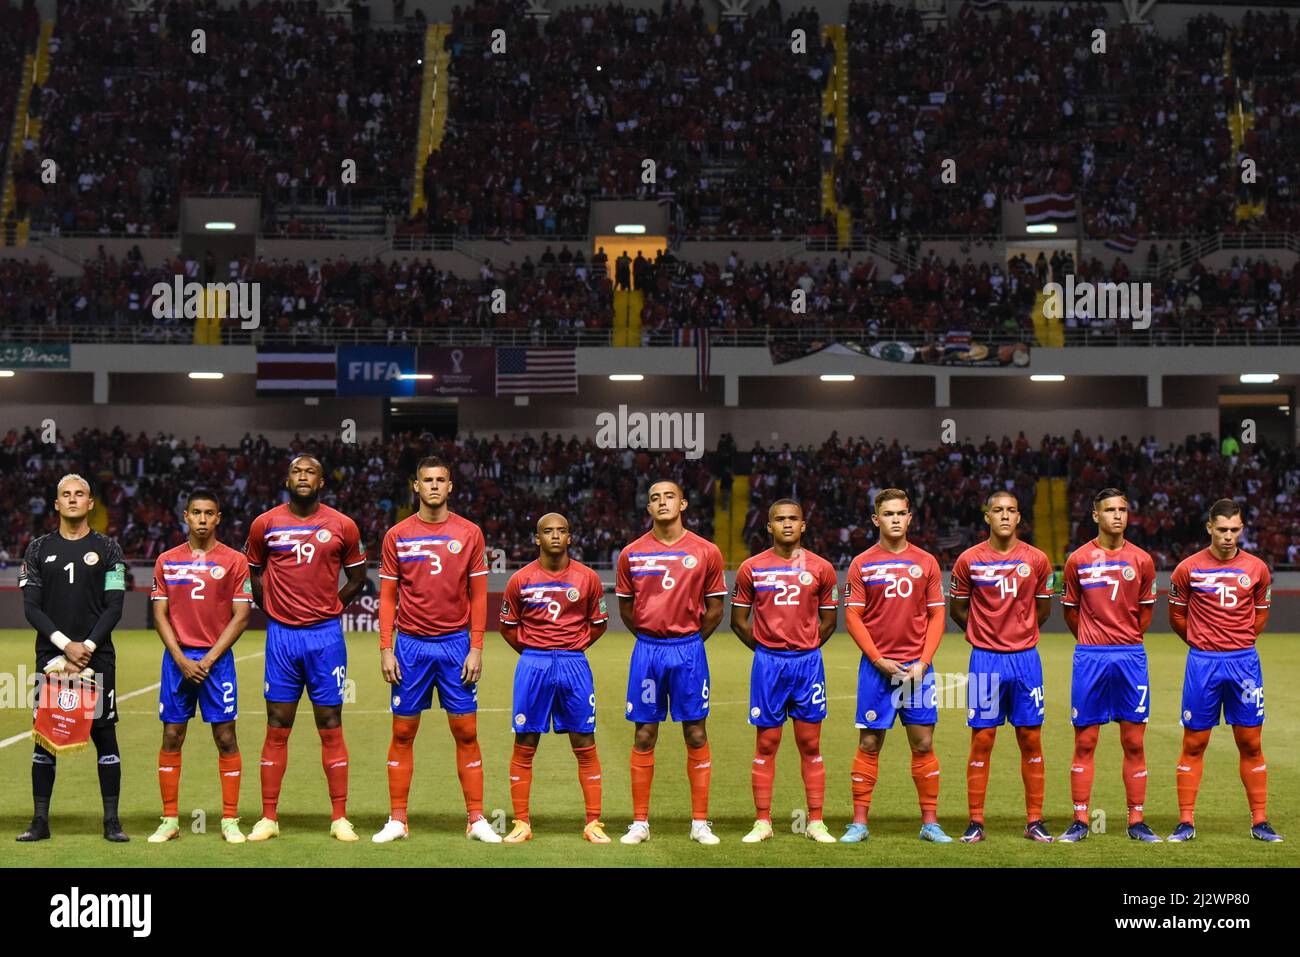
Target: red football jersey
point(668, 583)
point(432, 563)
point(1221, 598)
point(199, 589)
point(554, 610)
point(1002, 590)
point(1109, 589)
point(301, 559)
point(895, 591)
point(785, 596)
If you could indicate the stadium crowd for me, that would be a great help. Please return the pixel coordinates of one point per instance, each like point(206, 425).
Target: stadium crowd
point(505, 484)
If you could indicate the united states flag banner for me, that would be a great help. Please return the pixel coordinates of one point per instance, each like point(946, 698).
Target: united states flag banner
point(1050, 207)
point(537, 371)
point(287, 371)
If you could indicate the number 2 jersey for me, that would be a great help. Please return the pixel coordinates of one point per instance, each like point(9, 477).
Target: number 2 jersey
point(1221, 598)
point(785, 596)
point(432, 563)
point(1003, 590)
point(301, 560)
point(1109, 588)
point(668, 584)
point(895, 591)
point(200, 589)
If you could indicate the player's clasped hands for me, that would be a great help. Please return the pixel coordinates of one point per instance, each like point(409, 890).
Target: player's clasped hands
point(77, 654)
point(193, 670)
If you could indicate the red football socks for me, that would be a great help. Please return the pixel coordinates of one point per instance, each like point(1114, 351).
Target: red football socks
point(925, 775)
point(1031, 771)
point(169, 781)
point(763, 771)
point(1254, 771)
point(808, 735)
point(521, 779)
point(469, 762)
point(275, 757)
point(1082, 770)
point(231, 769)
point(401, 764)
point(1135, 768)
point(977, 770)
point(865, 771)
point(334, 759)
point(589, 778)
point(699, 768)
point(1191, 763)
point(643, 774)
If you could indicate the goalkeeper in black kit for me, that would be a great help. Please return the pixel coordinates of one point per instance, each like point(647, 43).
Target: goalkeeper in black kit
point(73, 582)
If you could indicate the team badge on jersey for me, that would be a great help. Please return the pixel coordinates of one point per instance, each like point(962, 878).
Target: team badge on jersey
point(690, 561)
point(218, 573)
point(1023, 569)
point(805, 578)
point(1244, 581)
point(454, 546)
point(91, 558)
point(573, 594)
point(323, 535)
point(1128, 573)
point(505, 608)
point(914, 571)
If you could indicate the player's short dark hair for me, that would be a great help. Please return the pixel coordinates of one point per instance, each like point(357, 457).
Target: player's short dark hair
point(1000, 493)
point(1105, 494)
point(307, 455)
point(888, 495)
point(202, 495)
point(784, 501)
point(1224, 508)
point(431, 462)
point(681, 492)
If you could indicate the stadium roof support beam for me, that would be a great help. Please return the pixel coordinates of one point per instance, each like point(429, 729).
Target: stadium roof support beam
point(1155, 391)
point(1136, 10)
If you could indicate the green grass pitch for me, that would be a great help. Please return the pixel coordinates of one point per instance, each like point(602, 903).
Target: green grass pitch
point(437, 811)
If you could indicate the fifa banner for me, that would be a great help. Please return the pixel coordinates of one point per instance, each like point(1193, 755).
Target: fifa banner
point(457, 371)
point(376, 370)
point(952, 350)
point(66, 705)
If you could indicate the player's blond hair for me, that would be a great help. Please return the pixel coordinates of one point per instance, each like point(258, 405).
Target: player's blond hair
point(71, 477)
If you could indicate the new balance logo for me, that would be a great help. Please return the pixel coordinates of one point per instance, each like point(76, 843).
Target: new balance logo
point(265, 764)
point(475, 764)
point(760, 760)
point(1037, 760)
point(593, 777)
point(702, 765)
point(977, 764)
point(1139, 774)
point(230, 774)
point(1262, 767)
point(858, 780)
point(394, 764)
point(1076, 769)
point(515, 777)
point(1183, 767)
point(933, 774)
point(816, 760)
point(1081, 807)
point(339, 764)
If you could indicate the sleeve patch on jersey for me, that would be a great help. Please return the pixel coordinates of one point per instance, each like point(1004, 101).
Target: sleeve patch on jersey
point(115, 578)
point(603, 609)
point(835, 594)
point(248, 586)
point(505, 608)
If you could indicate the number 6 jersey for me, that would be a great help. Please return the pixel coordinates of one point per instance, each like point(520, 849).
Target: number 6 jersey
point(1002, 590)
point(669, 583)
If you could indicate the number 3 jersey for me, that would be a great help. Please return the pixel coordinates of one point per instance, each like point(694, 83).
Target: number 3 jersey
point(1221, 598)
point(301, 559)
point(200, 589)
point(669, 583)
point(895, 591)
point(1109, 589)
point(554, 610)
point(1002, 590)
point(785, 595)
point(432, 563)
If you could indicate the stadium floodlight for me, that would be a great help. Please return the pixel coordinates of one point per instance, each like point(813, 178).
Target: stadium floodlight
point(1258, 378)
point(6, 373)
point(626, 377)
point(837, 377)
point(207, 375)
point(219, 226)
point(1047, 377)
point(634, 229)
point(1041, 228)
point(416, 375)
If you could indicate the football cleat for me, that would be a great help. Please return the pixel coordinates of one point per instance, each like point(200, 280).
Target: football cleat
point(1141, 831)
point(480, 830)
point(1076, 832)
point(341, 829)
point(113, 831)
point(168, 830)
point(856, 834)
point(1037, 831)
point(595, 832)
point(38, 830)
point(392, 830)
point(761, 831)
point(973, 834)
point(933, 833)
point(523, 831)
point(230, 832)
point(817, 831)
point(1183, 833)
point(702, 831)
point(638, 832)
point(264, 830)
point(1263, 831)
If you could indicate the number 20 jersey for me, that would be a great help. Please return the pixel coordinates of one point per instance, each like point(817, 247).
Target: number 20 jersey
point(895, 591)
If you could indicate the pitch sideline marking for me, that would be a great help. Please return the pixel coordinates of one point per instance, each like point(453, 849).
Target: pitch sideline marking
point(27, 735)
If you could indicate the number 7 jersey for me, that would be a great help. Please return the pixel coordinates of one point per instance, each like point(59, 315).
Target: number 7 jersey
point(1109, 589)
